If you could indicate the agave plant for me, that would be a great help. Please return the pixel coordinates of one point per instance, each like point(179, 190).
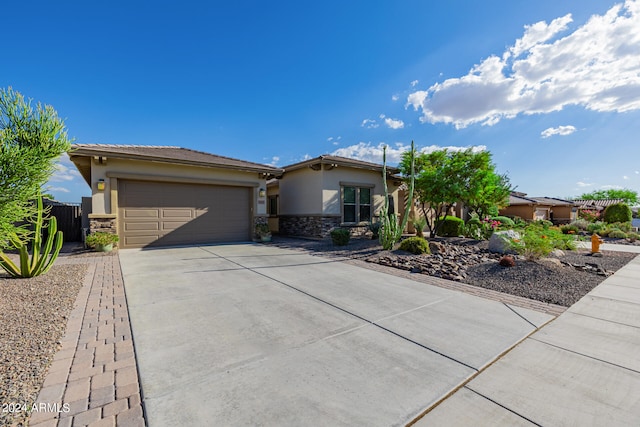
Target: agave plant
point(44, 253)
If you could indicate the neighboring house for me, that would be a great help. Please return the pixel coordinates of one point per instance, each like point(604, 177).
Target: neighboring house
point(596, 205)
point(158, 196)
point(316, 195)
point(558, 211)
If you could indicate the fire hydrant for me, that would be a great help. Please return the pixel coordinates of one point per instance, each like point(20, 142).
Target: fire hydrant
point(595, 243)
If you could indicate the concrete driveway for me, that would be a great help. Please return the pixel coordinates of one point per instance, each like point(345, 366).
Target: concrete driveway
point(251, 334)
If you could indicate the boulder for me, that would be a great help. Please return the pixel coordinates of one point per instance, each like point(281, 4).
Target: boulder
point(500, 241)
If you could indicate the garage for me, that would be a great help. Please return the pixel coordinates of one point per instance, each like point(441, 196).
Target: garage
point(167, 213)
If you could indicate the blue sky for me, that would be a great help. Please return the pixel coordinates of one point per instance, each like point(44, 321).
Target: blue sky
point(550, 88)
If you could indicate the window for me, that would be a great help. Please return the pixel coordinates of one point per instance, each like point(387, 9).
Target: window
point(356, 204)
point(272, 207)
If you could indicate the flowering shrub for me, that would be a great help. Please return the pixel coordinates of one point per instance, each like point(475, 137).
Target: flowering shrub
point(538, 240)
point(589, 215)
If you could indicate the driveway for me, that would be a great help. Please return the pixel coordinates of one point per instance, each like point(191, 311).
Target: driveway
point(250, 334)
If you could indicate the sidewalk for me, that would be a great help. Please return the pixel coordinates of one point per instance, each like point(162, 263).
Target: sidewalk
point(93, 379)
point(611, 247)
point(581, 369)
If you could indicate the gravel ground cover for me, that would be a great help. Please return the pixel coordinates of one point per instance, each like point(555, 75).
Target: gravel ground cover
point(561, 280)
point(33, 319)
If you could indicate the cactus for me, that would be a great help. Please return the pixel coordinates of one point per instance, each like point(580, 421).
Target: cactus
point(391, 231)
point(43, 255)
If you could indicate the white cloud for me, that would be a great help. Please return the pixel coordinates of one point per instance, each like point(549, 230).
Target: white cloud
point(583, 184)
point(625, 177)
point(274, 161)
point(373, 153)
point(611, 187)
point(369, 124)
point(394, 123)
point(414, 83)
point(334, 141)
point(395, 98)
point(560, 130)
point(637, 172)
point(65, 170)
point(596, 66)
point(58, 189)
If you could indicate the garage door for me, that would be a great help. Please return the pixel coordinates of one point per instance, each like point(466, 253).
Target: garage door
point(161, 214)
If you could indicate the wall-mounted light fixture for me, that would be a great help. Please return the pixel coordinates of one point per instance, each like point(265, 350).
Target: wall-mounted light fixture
point(262, 192)
point(101, 184)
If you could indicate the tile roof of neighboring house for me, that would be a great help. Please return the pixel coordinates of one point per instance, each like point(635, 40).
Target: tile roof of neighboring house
point(328, 159)
point(520, 199)
point(586, 204)
point(169, 154)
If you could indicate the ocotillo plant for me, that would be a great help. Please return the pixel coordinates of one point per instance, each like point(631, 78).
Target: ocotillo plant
point(391, 231)
point(43, 254)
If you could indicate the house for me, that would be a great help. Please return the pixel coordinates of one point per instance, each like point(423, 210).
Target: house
point(316, 195)
point(159, 196)
point(596, 205)
point(558, 211)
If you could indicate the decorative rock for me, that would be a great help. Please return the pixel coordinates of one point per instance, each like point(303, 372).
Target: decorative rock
point(597, 254)
point(500, 241)
point(557, 253)
point(437, 248)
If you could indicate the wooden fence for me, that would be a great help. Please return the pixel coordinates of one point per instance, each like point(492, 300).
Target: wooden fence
point(69, 217)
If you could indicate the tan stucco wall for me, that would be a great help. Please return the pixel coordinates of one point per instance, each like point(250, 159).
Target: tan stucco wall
point(524, 212)
point(301, 192)
point(104, 201)
point(310, 192)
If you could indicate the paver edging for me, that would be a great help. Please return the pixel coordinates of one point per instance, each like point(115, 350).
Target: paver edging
point(80, 387)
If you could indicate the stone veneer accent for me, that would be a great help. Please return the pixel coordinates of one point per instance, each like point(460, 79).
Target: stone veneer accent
point(315, 225)
point(104, 224)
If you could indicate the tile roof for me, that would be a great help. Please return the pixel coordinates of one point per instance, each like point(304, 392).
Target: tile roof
point(169, 154)
point(584, 203)
point(340, 161)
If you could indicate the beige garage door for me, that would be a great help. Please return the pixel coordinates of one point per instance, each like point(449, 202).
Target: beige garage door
point(161, 214)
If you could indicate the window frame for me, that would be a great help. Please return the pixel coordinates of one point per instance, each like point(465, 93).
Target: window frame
point(357, 203)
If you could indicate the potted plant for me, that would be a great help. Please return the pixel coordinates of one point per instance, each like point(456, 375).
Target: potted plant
point(263, 232)
point(102, 241)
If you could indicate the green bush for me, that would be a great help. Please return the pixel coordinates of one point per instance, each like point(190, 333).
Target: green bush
point(633, 236)
point(374, 227)
point(616, 233)
point(504, 221)
point(596, 227)
point(451, 226)
point(569, 229)
point(582, 224)
point(340, 236)
point(415, 245)
point(624, 226)
point(419, 223)
point(538, 241)
point(620, 212)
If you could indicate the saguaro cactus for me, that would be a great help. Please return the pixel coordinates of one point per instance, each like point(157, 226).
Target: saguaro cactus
point(43, 254)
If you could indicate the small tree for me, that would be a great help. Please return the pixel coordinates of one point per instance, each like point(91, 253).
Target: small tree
point(445, 177)
point(619, 212)
point(30, 142)
point(630, 197)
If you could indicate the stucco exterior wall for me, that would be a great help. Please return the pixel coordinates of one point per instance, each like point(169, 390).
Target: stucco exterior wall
point(301, 192)
point(523, 211)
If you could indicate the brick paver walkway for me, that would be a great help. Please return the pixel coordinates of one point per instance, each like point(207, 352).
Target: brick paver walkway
point(93, 379)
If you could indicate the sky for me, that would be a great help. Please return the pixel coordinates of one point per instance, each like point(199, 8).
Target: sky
point(551, 88)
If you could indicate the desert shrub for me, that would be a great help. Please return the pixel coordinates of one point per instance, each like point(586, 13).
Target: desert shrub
point(419, 223)
point(507, 261)
point(504, 221)
point(415, 245)
point(596, 227)
point(616, 233)
point(569, 229)
point(620, 212)
point(624, 226)
point(374, 227)
point(582, 224)
point(543, 223)
point(340, 236)
point(633, 236)
point(538, 241)
point(519, 222)
point(451, 226)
